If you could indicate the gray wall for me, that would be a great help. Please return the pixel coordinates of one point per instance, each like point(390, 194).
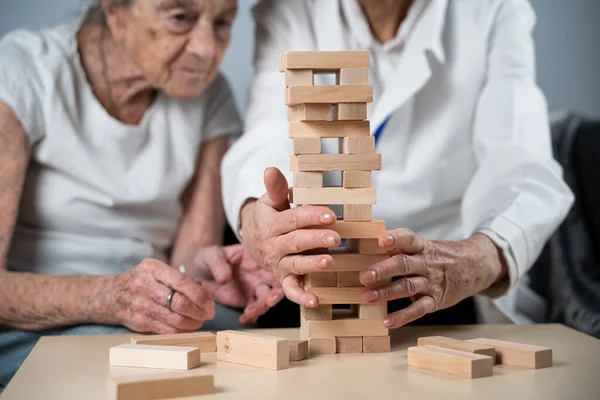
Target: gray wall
point(567, 41)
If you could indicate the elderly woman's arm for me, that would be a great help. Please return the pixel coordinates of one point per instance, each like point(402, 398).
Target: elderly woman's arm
point(134, 299)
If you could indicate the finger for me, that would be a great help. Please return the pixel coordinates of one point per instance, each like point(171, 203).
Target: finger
point(302, 265)
point(416, 310)
point(305, 239)
point(256, 308)
point(293, 290)
point(277, 190)
point(302, 217)
point(218, 265)
point(397, 265)
point(154, 326)
point(168, 317)
point(401, 289)
point(179, 303)
point(403, 240)
point(275, 297)
point(184, 284)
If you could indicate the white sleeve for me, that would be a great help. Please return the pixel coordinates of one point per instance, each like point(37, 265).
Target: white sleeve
point(517, 197)
point(265, 142)
point(21, 83)
point(221, 116)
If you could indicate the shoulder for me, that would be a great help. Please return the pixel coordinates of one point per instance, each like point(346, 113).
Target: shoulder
point(487, 11)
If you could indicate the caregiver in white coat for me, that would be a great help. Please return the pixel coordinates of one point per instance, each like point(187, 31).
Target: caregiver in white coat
point(464, 135)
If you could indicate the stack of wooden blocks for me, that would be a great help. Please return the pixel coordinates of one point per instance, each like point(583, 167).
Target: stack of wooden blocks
point(337, 111)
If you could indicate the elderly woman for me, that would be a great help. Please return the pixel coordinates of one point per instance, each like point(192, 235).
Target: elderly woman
point(463, 130)
point(112, 131)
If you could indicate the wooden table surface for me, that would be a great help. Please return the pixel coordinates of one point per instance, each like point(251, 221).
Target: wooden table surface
point(76, 368)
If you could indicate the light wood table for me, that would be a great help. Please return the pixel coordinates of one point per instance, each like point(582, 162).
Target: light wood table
point(76, 368)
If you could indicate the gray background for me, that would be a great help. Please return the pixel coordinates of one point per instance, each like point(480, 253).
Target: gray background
point(567, 41)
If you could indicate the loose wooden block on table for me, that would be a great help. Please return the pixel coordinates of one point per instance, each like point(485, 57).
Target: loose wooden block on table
point(348, 279)
point(377, 344)
point(518, 354)
point(323, 312)
point(455, 344)
point(333, 129)
point(365, 246)
point(352, 112)
point(253, 349)
point(356, 179)
point(328, 94)
point(308, 179)
point(164, 386)
point(205, 341)
point(357, 145)
point(323, 60)
point(310, 112)
point(335, 162)
point(307, 146)
point(344, 327)
point(320, 279)
point(299, 77)
point(150, 356)
point(349, 344)
point(321, 345)
point(332, 195)
point(358, 212)
point(372, 311)
point(349, 261)
point(454, 362)
point(298, 350)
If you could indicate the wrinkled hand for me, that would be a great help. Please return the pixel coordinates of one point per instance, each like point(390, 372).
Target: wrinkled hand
point(436, 274)
point(139, 299)
point(274, 234)
point(234, 279)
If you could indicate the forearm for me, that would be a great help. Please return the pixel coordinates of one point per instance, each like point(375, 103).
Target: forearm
point(488, 260)
point(36, 302)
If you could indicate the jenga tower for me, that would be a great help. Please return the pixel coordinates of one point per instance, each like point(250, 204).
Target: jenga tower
point(338, 111)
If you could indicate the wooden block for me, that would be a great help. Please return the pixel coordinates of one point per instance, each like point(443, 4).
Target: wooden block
point(335, 162)
point(320, 279)
point(455, 344)
point(339, 295)
point(349, 344)
point(164, 386)
point(324, 60)
point(454, 362)
point(333, 94)
point(151, 356)
point(356, 179)
point(518, 354)
point(345, 327)
point(323, 312)
point(349, 261)
point(321, 345)
point(282, 62)
point(303, 179)
point(205, 341)
point(325, 129)
point(357, 145)
point(298, 350)
point(372, 311)
point(311, 112)
point(307, 146)
point(365, 246)
point(332, 195)
point(358, 213)
point(348, 279)
point(299, 77)
point(253, 349)
point(376, 344)
point(352, 112)
point(358, 230)
point(354, 76)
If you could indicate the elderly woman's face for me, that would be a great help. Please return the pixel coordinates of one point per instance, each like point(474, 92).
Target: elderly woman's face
point(178, 44)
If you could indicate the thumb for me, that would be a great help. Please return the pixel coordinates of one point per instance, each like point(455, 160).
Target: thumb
point(277, 190)
point(402, 241)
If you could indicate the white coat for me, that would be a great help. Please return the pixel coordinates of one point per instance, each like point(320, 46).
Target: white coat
point(467, 147)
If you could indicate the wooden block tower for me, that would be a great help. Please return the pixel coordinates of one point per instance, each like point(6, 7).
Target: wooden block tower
point(337, 111)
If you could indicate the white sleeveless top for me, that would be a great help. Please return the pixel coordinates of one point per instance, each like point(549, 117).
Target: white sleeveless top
point(99, 195)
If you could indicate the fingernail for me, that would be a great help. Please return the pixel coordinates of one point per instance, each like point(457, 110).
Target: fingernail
point(372, 295)
point(310, 303)
point(388, 322)
point(323, 263)
point(328, 240)
point(388, 240)
point(326, 218)
point(368, 277)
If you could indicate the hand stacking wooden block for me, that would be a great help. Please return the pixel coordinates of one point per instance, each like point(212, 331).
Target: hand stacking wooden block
point(311, 118)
